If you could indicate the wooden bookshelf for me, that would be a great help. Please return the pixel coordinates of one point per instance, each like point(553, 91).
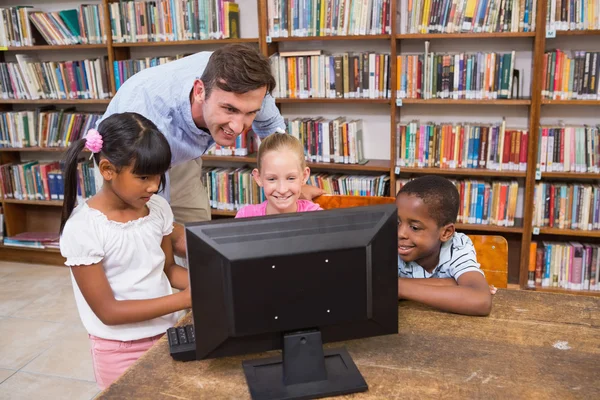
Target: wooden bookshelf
point(222, 213)
point(329, 38)
point(52, 203)
point(492, 102)
point(491, 229)
point(69, 47)
point(333, 101)
point(186, 42)
point(483, 35)
point(32, 149)
point(31, 255)
point(571, 102)
point(571, 175)
point(570, 232)
point(370, 166)
point(101, 102)
point(473, 172)
point(589, 32)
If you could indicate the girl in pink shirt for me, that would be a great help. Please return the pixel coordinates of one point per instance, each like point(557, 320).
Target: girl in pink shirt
point(281, 172)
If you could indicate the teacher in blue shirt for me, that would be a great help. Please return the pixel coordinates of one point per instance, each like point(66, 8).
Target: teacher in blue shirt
point(200, 99)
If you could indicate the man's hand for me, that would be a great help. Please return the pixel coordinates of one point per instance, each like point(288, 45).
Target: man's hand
point(309, 192)
point(178, 240)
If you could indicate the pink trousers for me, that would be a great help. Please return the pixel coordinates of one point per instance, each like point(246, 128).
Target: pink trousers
point(112, 357)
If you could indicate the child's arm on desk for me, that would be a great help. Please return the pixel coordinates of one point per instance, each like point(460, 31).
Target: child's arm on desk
point(470, 295)
point(178, 276)
point(445, 282)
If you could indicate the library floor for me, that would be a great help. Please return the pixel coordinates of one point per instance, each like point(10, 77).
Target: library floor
point(44, 349)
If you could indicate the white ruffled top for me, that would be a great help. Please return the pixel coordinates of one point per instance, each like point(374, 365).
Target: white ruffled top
point(132, 258)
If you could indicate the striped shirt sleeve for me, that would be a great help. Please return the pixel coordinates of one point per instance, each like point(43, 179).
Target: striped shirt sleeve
point(464, 258)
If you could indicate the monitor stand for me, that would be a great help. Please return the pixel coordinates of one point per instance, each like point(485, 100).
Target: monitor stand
point(306, 371)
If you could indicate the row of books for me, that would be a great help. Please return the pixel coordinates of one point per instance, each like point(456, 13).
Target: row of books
point(84, 25)
point(167, 20)
point(482, 75)
point(125, 69)
point(30, 79)
point(328, 17)
point(451, 16)
point(571, 75)
point(566, 265)
point(44, 127)
point(498, 203)
point(569, 149)
point(352, 185)
point(35, 240)
point(329, 140)
point(573, 15)
point(479, 146)
point(311, 74)
point(245, 144)
point(232, 188)
point(566, 206)
point(35, 180)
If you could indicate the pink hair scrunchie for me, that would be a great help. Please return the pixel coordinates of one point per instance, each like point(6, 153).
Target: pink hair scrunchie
point(93, 141)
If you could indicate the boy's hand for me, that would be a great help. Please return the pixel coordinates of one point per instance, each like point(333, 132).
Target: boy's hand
point(493, 289)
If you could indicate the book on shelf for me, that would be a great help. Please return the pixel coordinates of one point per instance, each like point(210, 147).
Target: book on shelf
point(328, 18)
point(476, 16)
point(232, 188)
point(23, 26)
point(568, 148)
point(246, 143)
point(566, 206)
point(125, 69)
point(573, 15)
point(30, 79)
point(364, 75)
point(567, 265)
point(461, 145)
point(498, 203)
point(43, 181)
point(571, 75)
point(44, 127)
point(38, 240)
point(162, 21)
point(431, 75)
point(329, 140)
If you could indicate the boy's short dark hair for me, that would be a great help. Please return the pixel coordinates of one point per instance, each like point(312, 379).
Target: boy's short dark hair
point(237, 68)
point(439, 195)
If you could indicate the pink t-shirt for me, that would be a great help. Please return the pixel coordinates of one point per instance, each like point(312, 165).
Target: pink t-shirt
point(258, 210)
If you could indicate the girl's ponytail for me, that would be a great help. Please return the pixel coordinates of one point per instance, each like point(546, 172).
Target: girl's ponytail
point(70, 180)
point(93, 142)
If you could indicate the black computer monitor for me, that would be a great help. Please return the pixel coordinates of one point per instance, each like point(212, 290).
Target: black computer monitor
point(294, 282)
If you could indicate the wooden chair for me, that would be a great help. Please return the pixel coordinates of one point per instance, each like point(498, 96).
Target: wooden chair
point(492, 250)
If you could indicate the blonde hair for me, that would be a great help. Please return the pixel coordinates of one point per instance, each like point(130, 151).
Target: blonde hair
point(281, 141)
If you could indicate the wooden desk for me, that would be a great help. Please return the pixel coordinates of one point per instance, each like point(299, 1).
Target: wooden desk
point(533, 345)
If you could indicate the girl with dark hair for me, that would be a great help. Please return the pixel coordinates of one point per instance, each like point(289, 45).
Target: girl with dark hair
point(118, 244)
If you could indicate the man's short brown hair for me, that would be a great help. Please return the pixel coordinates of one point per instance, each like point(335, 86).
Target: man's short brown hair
point(237, 68)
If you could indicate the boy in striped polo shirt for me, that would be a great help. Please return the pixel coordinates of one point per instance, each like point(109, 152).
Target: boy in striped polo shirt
point(436, 265)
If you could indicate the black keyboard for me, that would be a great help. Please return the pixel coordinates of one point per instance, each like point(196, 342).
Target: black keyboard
point(182, 343)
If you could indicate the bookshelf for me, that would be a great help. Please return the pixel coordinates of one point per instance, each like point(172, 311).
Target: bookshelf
point(530, 107)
